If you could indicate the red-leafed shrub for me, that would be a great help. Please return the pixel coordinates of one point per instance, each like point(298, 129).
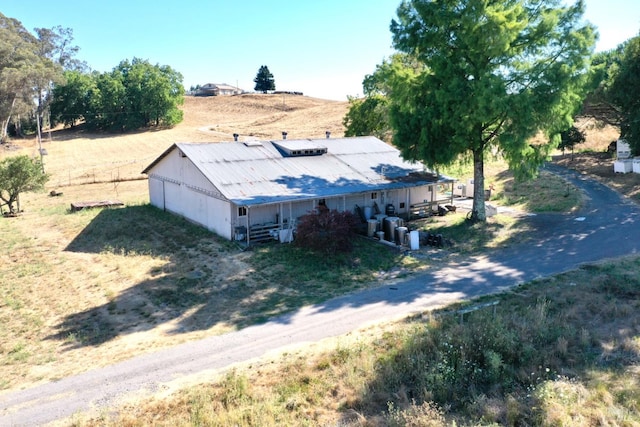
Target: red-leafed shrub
point(327, 231)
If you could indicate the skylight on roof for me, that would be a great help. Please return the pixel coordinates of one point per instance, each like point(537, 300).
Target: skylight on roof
point(253, 143)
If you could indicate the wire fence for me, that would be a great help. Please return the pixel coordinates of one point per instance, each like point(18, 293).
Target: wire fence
point(129, 171)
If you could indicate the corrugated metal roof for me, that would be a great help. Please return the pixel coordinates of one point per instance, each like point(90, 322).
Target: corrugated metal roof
point(249, 175)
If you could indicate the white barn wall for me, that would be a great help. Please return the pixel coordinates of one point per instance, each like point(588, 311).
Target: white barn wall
point(197, 205)
point(156, 193)
point(219, 217)
point(356, 199)
point(196, 202)
point(173, 198)
point(421, 195)
point(263, 214)
point(298, 209)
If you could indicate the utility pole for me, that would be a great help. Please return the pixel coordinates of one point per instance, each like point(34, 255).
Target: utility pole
point(39, 140)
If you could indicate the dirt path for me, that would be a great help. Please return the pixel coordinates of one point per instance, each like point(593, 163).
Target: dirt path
point(608, 226)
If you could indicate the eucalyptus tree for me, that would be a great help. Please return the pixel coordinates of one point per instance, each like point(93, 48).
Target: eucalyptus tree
point(56, 54)
point(495, 74)
point(30, 65)
point(18, 57)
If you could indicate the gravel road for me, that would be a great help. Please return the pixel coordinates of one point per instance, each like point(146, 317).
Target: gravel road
point(608, 226)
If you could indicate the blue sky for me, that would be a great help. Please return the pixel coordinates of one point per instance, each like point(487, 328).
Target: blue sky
point(322, 48)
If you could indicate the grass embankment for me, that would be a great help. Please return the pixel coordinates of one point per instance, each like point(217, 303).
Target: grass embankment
point(560, 351)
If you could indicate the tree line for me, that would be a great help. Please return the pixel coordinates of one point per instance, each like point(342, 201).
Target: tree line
point(42, 81)
point(134, 95)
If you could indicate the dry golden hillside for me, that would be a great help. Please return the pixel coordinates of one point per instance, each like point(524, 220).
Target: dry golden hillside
point(79, 157)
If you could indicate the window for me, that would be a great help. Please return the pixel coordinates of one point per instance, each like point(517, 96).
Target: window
point(374, 196)
point(242, 211)
point(401, 205)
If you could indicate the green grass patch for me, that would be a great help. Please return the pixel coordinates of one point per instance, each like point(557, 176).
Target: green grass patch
point(544, 193)
point(470, 237)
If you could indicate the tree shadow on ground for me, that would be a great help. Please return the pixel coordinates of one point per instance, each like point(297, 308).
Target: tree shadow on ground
point(203, 282)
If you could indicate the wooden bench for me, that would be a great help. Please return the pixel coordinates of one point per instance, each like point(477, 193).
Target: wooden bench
point(421, 210)
point(263, 232)
point(78, 206)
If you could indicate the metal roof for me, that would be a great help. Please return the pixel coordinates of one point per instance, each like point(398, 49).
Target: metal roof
point(258, 174)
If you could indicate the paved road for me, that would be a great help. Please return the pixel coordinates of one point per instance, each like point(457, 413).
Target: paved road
point(607, 227)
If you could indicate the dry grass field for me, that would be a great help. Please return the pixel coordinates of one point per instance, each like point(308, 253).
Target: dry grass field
point(78, 157)
point(77, 291)
point(68, 283)
point(87, 289)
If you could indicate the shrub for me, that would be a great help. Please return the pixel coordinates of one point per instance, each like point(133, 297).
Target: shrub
point(327, 231)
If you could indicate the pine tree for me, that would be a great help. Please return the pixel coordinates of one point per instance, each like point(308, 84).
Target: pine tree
point(264, 80)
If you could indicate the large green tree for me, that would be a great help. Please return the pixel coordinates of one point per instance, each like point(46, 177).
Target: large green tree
point(367, 116)
point(19, 174)
point(18, 59)
point(134, 95)
point(264, 80)
point(71, 100)
point(496, 73)
point(56, 53)
point(624, 93)
point(597, 103)
point(30, 65)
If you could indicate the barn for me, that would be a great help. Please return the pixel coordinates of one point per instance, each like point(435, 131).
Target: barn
point(256, 190)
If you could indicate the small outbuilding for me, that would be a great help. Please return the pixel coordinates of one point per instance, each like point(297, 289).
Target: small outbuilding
point(256, 190)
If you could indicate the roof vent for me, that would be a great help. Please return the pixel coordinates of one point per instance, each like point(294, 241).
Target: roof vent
point(300, 148)
point(235, 137)
point(284, 135)
point(327, 134)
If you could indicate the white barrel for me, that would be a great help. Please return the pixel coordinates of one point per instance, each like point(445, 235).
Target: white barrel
point(401, 235)
point(414, 240)
point(372, 227)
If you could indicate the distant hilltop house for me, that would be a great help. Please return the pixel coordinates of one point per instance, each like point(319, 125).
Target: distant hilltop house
point(214, 89)
point(256, 190)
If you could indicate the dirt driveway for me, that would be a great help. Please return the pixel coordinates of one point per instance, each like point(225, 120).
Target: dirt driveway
point(608, 226)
